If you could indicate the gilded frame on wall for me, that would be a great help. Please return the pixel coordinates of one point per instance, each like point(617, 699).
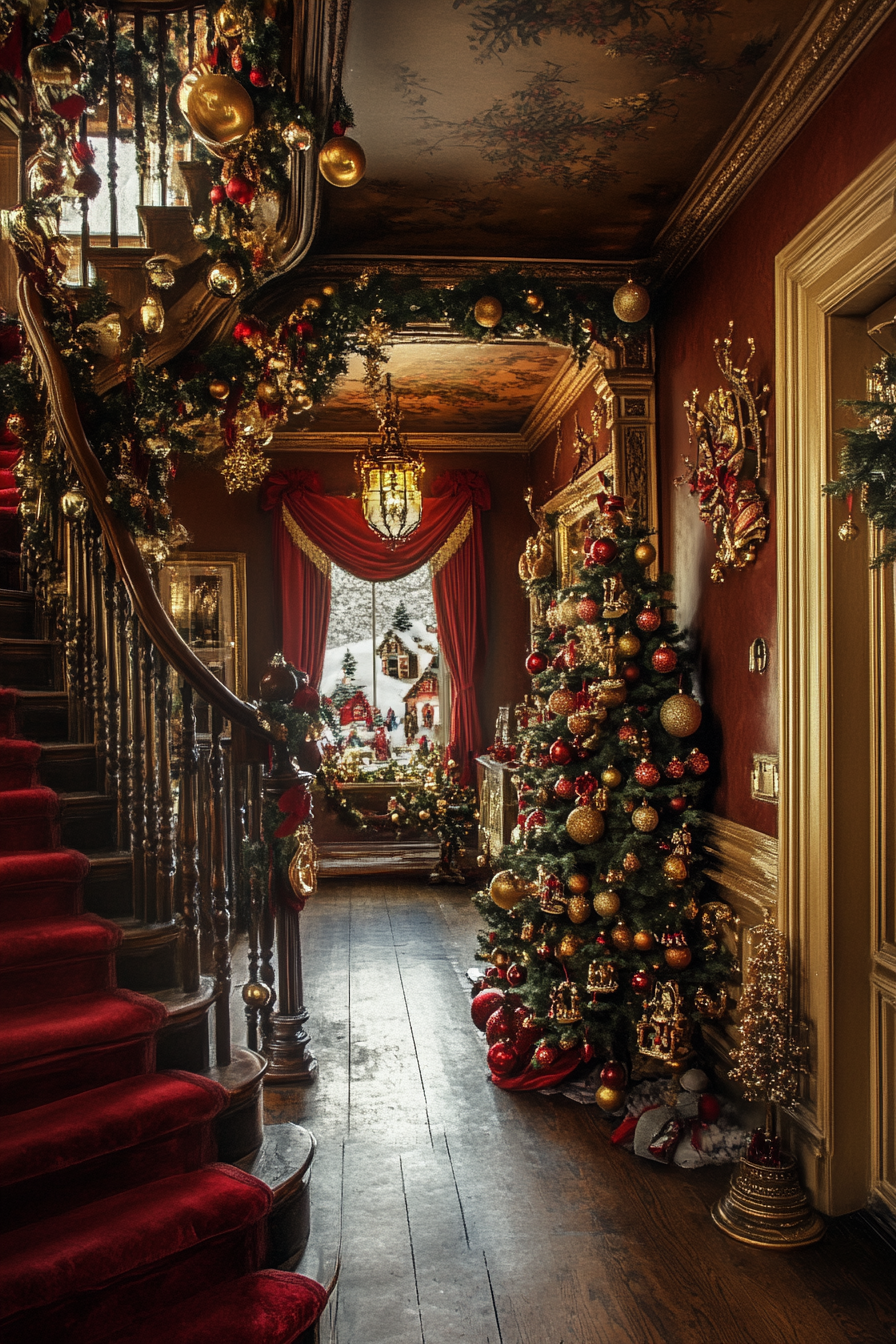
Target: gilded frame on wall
point(204, 593)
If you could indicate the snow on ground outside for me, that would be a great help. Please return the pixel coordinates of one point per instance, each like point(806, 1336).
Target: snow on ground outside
point(389, 691)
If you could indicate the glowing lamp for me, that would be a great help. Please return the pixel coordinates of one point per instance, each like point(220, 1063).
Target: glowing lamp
point(389, 474)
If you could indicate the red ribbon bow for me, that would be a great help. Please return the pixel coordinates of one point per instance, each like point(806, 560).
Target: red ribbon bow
point(296, 804)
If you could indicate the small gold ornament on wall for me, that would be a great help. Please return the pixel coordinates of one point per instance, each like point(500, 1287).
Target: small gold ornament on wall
point(537, 560)
point(727, 432)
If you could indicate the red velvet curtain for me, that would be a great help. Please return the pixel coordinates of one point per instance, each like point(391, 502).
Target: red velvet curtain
point(311, 528)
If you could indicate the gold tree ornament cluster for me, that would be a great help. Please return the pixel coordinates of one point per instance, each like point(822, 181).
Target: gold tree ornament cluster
point(594, 917)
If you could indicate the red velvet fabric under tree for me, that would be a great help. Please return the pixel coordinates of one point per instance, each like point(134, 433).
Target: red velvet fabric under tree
point(311, 528)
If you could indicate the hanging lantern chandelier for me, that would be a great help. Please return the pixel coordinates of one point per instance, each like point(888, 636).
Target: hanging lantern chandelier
point(389, 473)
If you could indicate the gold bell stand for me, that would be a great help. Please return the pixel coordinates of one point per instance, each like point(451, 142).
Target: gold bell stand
point(766, 1206)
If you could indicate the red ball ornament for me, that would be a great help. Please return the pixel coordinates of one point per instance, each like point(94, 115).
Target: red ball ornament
point(516, 975)
point(535, 818)
point(240, 190)
point(217, 195)
point(678, 803)
point(588, 610)
point(560, 752)
point(544, 1056)
point(502, 1059)
point(525, 1032)
point(258, 78)
point(647, 774)
point(587, 1052)
point(697, 762)
point(603, 550)
point(564, 788)
point(632, 673)
point(543, 951)
point(641, 981)
point(664, 658)
point(499, 1025)
point(628, 732)
point(675, 768)
point(648, 620)
point(613, 1074)
point(492, 975)
point(535, 663)
point(484, 1004)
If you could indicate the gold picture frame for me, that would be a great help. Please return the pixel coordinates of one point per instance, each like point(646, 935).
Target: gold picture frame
point(204, 593)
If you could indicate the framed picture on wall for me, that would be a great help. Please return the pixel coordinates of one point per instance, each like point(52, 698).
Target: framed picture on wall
point(204, 593)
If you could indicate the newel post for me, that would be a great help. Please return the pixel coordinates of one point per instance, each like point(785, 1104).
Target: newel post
point(286, 790)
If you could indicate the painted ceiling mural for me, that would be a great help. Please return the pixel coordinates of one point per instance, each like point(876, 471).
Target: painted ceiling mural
point(554, 128)
point(452, 388)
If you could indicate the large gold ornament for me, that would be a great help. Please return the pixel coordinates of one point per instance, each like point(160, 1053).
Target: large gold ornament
point(727, 433)
point(562, 701)
point(585, 825)
point(507, 888)
point(219, 110)
point(645, 818)
point(224, 280)
point(579, 723)
point(606, 903)
point(488, 311)
point(631, 302)
point(342, 162)
point(579, 909)
point(622, 936)
point(680, 715)
point(244, 467)
point(568, 946)
point(609, 1098)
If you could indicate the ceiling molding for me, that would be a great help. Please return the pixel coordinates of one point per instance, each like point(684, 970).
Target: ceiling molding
point(323, 441)
point(557, 398)
point(449, 270)
point(817, 54)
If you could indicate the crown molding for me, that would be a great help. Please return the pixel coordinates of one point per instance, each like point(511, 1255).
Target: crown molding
point(323, 441)
point(817, 54)
point(557, 398)
point(443, 271)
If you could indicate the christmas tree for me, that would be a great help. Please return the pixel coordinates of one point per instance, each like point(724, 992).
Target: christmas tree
point(401, 621)
point(595, 917)
point(346, 688)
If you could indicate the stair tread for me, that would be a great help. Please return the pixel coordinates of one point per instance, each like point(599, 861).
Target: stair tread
point(73, 1252)
point(42, 693)
point(120, 1115)
point(67, 748)
point(68, 1025)
point(66, 939)
point(33, 865)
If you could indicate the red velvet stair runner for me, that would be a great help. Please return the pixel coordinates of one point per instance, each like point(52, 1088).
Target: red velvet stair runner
point(10, 524)
point(118, 1222)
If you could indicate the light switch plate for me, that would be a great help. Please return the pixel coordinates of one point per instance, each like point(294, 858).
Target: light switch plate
point(764, 778)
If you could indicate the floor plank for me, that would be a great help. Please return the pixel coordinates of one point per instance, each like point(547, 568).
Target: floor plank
point(471, 1214)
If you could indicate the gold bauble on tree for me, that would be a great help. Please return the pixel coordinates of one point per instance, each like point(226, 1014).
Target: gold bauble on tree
point(534, 302)
point(631, 863)
point(224, 280)
point(628, 645)
point(585, 825)
point(296, 136)
point(631, 302)
point(488, 311)
point(645, 553)
point(568, 946)
point(680, 715)
point(579, 723)
point(622, 936)
point(609, 1098)
point(568, 611)
point(218, 389)
point(562, 701)
point(220, 110)
point(227, 22)
point(578, 909)
point(342, 162)
point(678, 957)
point(675, 869)
point(507, 888)
point(606, 903)
point(611, 778)
point(578, 883)
point(643, 940)
point(645, 818)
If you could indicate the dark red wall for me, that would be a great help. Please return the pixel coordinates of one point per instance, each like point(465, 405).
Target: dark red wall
point(222, 522)
point(733, 277)
point(548, 478)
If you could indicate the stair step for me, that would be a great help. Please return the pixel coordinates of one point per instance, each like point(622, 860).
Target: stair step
point(56, 1157)
point(42, 715)
point(79, 1275)
point(18, 763)
point(148, 957)
point(272, 1306)
point(59, 1049)
point(28, 820)
point(108, 888)
point(16, 613)
point(69, 767)
point(283, 1162)
point(183, 1041)
point(87, 820)
point(41, 885)
point(64, 958)
point(28, 664)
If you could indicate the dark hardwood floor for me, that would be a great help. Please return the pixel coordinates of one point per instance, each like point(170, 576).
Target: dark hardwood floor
point(473, 1215)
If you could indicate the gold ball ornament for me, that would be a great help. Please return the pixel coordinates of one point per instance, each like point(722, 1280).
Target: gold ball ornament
point(342, 162)
point(567, 1042)
point(562, 701)
point(645, 553)
point(675, 869)
point(645, 818)
point(579, 723)
point(218, 389)
point(256, 995)
point(628, 645)
point(680, 715)
point(568, 611)
point(488, 311)
point(296, 136)
point(534, 302)
point(507, 888)
point(578, 883)
point(227, 23)
point(424, 815)
point(500, 958)
point(224, 280)
point(568, 946)
point(585, 825)
point(622, 936)
point(678, 957)
point(73, 504)
point(609, 1098)
point(578, 909)
point(328, 290)
point(631, 302)
point(631, 863)
point(220, 110)
point(848, 531)
point(643, 940)
point(268, 392)
point(606, 903)
point(611, 777)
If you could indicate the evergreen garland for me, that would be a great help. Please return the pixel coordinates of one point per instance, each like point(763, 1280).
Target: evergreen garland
point(868, 458)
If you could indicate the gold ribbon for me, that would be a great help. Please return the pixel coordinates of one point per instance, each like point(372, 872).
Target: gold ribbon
point(304, 543)
point(452, 543)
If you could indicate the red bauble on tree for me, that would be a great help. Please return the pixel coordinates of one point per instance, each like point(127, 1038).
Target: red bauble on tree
point(484, 1004)
point(613, 1074)
point(535, 819)
point(664, 659)
point(500, 1024)
point(628, 732)
point(544, 1056)
point(632, 673)
point(647, 774)
point(240, 190)
point(697, 762)
point(535, 663)
point(675, 768)
point(641, 981)
point(678, 803)
point(588, 610)
point(502, 1059)
point(603, 551)
point(560, 753)
point(516, 975)
point(564, 788)
point(259, 79)
point(217, 195)
point(648, 620)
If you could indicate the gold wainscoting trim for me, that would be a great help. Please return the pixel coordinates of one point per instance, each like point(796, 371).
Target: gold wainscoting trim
point(304, 543)
point(821, 49)
point(452, 544)
point(744, 862)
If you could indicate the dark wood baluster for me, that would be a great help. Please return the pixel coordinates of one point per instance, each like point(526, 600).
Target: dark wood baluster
point(189, 857)
point(113, 681)
point(112, 128)
point(99, 650)
point(162, 51)
point(166, 868)
point(150, 780)
point(220, 895)
point(123, 717)
point(203, 843)
point(137, 803)
point(139, 121)
point(85, 215)
point(251, 830)
point(72, 575)
point(87, 633)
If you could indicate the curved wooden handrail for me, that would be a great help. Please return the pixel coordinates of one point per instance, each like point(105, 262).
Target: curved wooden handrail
point(123, 548)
